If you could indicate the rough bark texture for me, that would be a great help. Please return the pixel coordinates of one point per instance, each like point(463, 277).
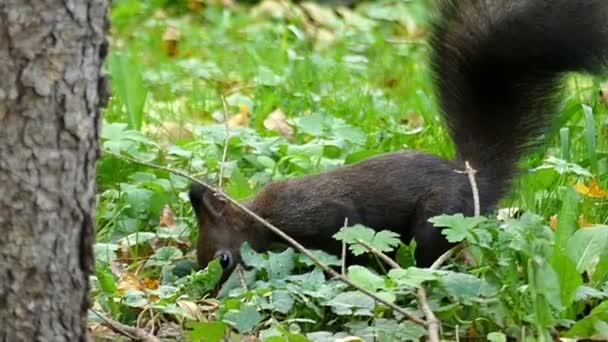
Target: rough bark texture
point(51, 89)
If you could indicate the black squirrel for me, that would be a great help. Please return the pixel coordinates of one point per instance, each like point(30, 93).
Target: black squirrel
point(497, 64)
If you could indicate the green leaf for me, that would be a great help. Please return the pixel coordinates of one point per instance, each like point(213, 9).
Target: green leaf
point(569, 278)
point(587, 245)
point(324, 257)
point(245, 319)
point(384, 241)
point(352, 303)
point(238, 185)
point(251, 257)
point(412, 276)
point(127, 80)
point(204, 281)
point(207, 331)
point(600, 274)
point(280, 265)
point(584, 293)
point(497, 337)
point(107, 281)
point(365, 278)
point(163, 255)
point(105, 252)
point(135, 299)
point(136, 238)
point(568, 217)
point(465, 286)
point(282, 301)
point(594, 324)
point(458, 226)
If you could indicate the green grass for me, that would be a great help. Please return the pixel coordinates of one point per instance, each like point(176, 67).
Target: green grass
point(361, 94)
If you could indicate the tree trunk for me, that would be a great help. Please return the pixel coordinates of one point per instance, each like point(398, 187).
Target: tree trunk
point(51, 90)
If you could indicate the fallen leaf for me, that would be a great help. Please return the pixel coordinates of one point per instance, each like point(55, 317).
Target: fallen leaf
point(592, 190)
point(170, 40)
point(277, 121)
point(191, 308)
point(196, 5)
point(168, 132)
point(129, 281)
point(604, 96)
point(553, 222)
point(167, 218)
point(151, 283)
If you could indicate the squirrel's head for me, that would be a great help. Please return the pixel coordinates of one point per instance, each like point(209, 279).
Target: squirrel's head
point(222, 229)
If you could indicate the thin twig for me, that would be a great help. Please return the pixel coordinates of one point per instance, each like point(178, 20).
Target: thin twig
point(379, 254)
point(470, 171)
point(343, 268)
point(133, 333)
point(226, 141)
point(278, 232)
point(433, 323)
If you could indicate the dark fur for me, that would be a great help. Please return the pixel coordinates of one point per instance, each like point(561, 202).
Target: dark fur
point(498, 64)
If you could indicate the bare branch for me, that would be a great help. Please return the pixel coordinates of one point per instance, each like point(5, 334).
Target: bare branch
point(135, 334)
point(379, 254)
point(279, 232)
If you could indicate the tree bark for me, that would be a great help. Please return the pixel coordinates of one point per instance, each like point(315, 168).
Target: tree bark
point(51, 90)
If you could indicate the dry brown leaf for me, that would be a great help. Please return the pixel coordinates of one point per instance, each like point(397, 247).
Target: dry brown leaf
point(553, 222)
point(168, 132)
point(277, 121)
point(167, 218)
point(592, 190)
point(196, 5)
point(129, 281)
point(604, 96)
point(191, 308)
point(414, 120)
point(170, 40)
point(151, 283)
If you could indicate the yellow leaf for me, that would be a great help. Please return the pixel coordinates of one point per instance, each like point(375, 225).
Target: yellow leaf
point(591, 190)
point(241, 119)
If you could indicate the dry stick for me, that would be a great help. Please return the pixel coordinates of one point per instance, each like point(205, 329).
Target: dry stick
point(277, 231)
point(433, 323)
point(226, 141)
point(133, 333)
point(343, 268)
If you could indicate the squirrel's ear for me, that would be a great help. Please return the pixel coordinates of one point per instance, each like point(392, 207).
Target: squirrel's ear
point(206, 201)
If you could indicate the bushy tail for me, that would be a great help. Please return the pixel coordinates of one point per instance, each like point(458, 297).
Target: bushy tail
point(498, 64)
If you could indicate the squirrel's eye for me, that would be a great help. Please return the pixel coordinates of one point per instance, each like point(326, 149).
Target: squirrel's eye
point(225, 258)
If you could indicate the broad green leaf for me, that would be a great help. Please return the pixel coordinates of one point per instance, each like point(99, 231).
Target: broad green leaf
point(135, 299)
point(251, 258)
point(324, 257)
point(280, 265)
point(497, 337)
point(365, 278)
point(594, 324)
point(207, 331)
point(352, 303)
point(136, 238)
point(107, 281)
point(584, 293)
point(568, 217)
point(282, 301)
point(569, 278)
point(164, 255)
point(412, 276)
point(458, 227)
point(204, 281)
point(384, 241)
point(245, 319)
point(587, 245)
point(466, 286)
point(105, 252)
point(600, 274)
